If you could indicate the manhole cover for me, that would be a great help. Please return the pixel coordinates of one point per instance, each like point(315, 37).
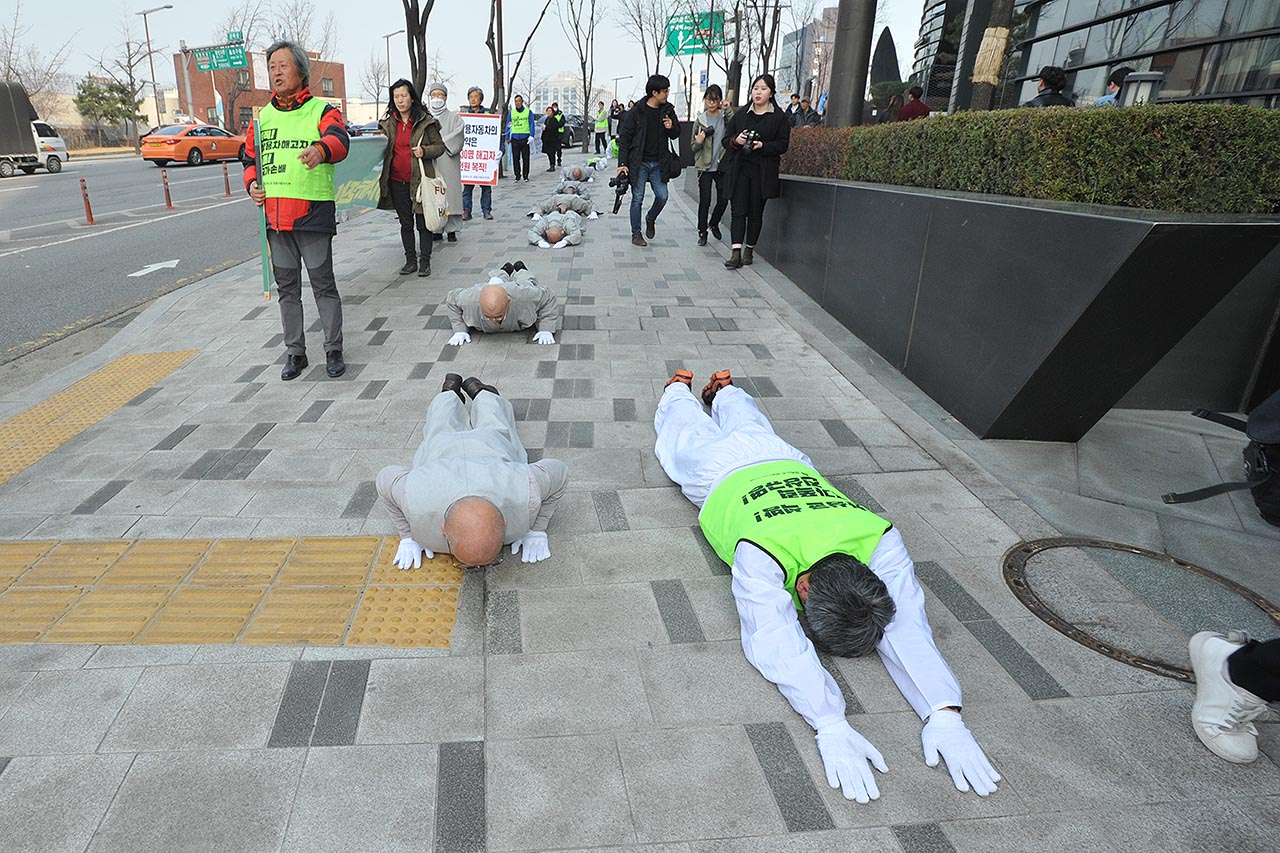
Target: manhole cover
point(1137, 606)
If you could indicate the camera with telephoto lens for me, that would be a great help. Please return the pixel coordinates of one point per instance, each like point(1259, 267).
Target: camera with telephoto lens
point(620, 183)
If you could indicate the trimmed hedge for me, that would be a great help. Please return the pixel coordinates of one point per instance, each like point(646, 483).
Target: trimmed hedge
point(1193, 158)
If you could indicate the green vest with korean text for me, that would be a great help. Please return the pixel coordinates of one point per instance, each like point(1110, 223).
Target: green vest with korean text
point(284, 134)
point(520, 120)
point(790, 511)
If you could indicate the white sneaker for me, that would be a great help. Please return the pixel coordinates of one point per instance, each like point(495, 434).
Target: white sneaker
point(1223, 713)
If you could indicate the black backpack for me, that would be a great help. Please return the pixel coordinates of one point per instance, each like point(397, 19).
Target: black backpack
point(1261, 459)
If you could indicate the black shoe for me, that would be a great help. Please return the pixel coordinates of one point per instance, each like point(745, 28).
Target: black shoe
point(453, 237)
point(410, 266)
point(507, 268)
point(702, 238)
point(637, 240)
point(735, 260)
point(715, 232)
point(517, 266)
point(551, 169)
point(424, 266)
point(650, 229)
point(436, 237)
point(334, 365)
point(293, 366)
point(453, 382)
point(473, 386)
point(748, 255)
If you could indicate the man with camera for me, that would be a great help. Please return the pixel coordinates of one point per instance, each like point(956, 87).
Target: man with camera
point(645, 156)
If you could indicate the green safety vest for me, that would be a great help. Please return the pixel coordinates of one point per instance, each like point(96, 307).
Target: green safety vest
point(520, 121)
point(790, 511)
point(602, 121)
point(283, 135)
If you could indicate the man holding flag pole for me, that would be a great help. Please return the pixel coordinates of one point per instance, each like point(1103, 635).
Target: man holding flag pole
point(292, 147)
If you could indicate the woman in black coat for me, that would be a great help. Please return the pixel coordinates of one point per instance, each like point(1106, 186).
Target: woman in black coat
point(755, 141)
point(551, 138)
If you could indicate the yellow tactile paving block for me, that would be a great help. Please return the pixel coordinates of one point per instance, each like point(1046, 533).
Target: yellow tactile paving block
point(73, 564)
point(437, 571)
point(310, 615)
point(405, 616)
point(17, 557)
point(30, 435)
point(330, 561)
point(233, 562)
point(109, 615)
point(204, 615)
point(25, 614)
point(160, 562)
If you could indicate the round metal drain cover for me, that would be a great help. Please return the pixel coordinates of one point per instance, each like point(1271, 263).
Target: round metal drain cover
point(1137, 606)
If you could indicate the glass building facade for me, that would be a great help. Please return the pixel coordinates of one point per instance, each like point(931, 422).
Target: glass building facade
point(1208, 50)
point(935, 50)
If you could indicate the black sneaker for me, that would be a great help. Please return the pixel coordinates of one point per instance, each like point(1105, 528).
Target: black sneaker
point(334, 365)
point(715, 232)
point(410, 266)
point(517, 266)
point(638, 240)
point(293, 366)
point(702, 238)
point(424, 266)
point(453, 237)
point(650, 229)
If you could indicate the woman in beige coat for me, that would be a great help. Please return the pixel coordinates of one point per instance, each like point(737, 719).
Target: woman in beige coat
point(413, 138)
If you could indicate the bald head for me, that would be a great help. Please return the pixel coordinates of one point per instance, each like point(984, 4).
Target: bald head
point(493, 302)
point(474, 528)
point(555, 234)
point(578, 174)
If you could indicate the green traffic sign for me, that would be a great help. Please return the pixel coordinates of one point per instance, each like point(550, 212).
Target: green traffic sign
point(692, 35)
point(220, 58)
point(235, 35)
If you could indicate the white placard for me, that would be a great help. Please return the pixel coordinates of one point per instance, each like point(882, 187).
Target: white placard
point(481, 148)
point(258, 63)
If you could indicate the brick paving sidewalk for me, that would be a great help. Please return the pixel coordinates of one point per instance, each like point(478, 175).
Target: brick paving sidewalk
point(600, 699)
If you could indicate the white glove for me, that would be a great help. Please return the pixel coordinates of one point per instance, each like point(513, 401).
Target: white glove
point(544, 338)
point(536, 216)
point(409, 555)
point(845, 754)
point(535, 547)
point(561, 244)
point(947, 734)
point(594, 215)
point(459, 338)
point(497, 279)
point(543, 244)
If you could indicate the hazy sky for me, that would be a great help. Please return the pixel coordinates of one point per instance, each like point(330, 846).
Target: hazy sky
point(457, 29)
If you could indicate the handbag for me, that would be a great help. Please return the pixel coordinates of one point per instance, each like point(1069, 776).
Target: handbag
point(673, 166)
point(433, 196)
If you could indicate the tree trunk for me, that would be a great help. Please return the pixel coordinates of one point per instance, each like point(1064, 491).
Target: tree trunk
point(986, 71)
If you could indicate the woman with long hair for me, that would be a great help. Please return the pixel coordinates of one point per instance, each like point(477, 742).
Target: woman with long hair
point(551, 138)
point(413, 137)
point(755, 142)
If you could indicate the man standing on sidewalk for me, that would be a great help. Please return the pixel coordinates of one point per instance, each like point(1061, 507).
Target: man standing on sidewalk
point(602, 127)
point(302, 137)
point(475, 95)
point(519, 132)
point(644, 155)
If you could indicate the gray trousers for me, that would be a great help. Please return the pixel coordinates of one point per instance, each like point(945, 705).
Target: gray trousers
point(289, 251)
point(449, 421)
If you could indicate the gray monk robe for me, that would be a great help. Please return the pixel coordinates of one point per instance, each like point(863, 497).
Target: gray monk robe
point(465, 451)
point(576, 203)
point(581, 188)
point(570, 222)
point(531, 305)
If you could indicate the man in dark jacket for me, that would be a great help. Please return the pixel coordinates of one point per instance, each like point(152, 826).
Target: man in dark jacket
point(1052, 81)
point(562, 128)
point(644, 154)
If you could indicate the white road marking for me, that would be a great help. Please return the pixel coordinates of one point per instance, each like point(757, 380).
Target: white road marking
point(119, 228)
point(16, 189)
point(150, 268)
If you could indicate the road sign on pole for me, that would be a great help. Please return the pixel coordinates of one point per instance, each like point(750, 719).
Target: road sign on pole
point(692, 35)
point(220, 57)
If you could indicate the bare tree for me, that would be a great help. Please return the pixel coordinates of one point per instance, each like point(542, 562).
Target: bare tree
point(249, 18)
point(416, 13)
point(298, 23)
point(766, 20)
point(802, 15)
point(578, 19)
point(22, 62)
point(647, 25)
point(122, 66)
point(532, 79)
point(373, 79)
point(436, 72)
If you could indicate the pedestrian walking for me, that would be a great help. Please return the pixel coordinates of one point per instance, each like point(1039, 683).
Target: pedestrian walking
point(756, 140)
point(303, 137)
point(602, 127)
point(519, 134)
point(448, 166)
point(551, 138)
point(708, 149)
point(644, 153)
point(615, 117)
point(413, 138)
point(915, 107)
point(475, 98)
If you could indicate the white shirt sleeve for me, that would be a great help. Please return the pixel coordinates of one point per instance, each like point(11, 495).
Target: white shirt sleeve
point(907, 648)
point(774, 642)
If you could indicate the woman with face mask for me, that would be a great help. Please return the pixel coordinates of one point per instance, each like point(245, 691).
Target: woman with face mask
point(413, 136)
point(757, 138)
point(449, 166)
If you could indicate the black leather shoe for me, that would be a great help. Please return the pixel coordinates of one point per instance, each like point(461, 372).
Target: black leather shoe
point(715, 232)
point(453, 382)
point(748, 255)
point(702, 238)
point(424, 266)
point(453, 237)
point(437, 237)
point(473, 386)
point(518, 265)
point(650, 229)
point(507, 268)
point(410, 266)
point(334, 365)
point(293, 366)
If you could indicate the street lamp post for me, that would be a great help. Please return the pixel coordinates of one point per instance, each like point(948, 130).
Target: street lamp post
point(155, 89)
point(615, 84)
point(387, 40)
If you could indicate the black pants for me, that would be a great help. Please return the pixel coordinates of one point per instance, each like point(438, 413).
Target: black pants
point(1256, 668)
point(552, 150)
point(706, 180)
point(520, 157)
point(748, 205)
point(600, 144)
point(404, 211)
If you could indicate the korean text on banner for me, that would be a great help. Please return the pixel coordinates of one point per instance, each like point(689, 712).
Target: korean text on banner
point(481, 148)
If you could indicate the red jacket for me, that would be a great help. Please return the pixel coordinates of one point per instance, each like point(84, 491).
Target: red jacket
point(297, 214)
point(913, 109)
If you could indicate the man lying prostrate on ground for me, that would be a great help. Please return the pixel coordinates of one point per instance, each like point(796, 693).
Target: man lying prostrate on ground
point(471, 488)
point(796, 544)
point(511, 301)
point(578, 174)
point(563, 203)
point(581, 188)
point(556, 230)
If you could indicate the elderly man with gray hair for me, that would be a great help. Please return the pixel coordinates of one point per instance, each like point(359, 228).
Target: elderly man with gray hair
point(796, 544)
point(292, 178)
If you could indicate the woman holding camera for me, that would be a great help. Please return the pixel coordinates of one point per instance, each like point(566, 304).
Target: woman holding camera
point(755, 142)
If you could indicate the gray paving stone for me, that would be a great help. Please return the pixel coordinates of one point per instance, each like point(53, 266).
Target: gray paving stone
point(54, 803)
point(423, 700)
point(34, 657)
point(831, 841)
point(460, 798)
point(173, 801)
point(657, 508)
point(589, 618)
point(502, 623)
point(638, 555)
point(793, 791)
point(64, 711)
point(117, 656)
point(546, 695)
point(708, 684)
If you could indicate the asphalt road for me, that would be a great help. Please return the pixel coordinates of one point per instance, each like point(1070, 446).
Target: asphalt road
point(59, 275)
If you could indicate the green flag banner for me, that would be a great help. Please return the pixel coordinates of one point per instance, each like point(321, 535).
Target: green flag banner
point(356, 178)
point(691, 35)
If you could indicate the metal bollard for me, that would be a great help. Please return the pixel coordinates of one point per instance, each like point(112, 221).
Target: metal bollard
point(88, 211)
point(168, 199)
point(226, 179)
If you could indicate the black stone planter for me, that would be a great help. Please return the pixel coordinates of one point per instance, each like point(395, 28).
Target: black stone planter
point(1028, 319)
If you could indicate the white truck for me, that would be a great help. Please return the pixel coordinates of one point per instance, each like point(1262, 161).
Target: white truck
point(26, 143)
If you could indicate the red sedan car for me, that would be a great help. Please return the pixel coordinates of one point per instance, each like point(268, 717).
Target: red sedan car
point(194, 143)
